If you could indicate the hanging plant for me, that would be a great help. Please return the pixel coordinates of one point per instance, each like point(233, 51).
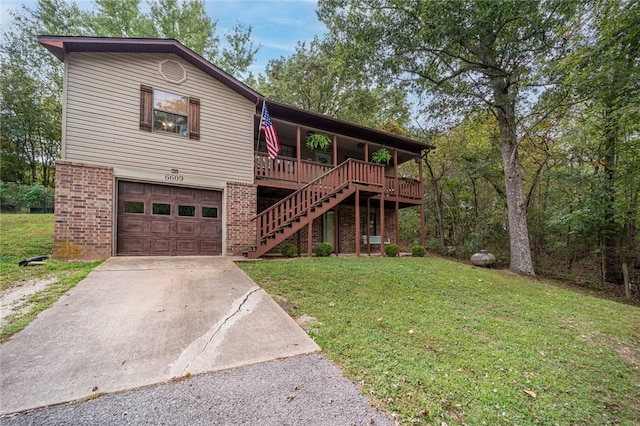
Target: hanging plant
point(318, 141)
point(381, 156)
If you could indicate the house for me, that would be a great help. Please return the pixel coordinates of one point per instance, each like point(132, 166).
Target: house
point(162, 154)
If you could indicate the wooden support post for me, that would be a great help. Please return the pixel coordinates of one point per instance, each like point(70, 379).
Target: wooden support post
point(310, 239)
point(368, 227)
point(336, 234)
point(382, 224)
point(397, 222)
point(298, 158)
point(298, 242)
point(395, 173)
point(357, 221)
point(335, 151)
point(366, 152)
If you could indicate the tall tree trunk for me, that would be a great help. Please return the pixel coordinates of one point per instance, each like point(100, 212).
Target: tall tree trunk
point(521, 262)
point(438, 200)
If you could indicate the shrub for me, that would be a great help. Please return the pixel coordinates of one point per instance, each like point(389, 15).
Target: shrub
point(324, 250)
point(417, 251)
point(391, 250)
point(290, 250)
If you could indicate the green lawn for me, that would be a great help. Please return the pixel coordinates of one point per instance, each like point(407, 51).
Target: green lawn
point(435, 341)
point(27, 235)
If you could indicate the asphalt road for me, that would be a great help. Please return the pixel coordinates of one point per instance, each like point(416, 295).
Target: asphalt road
point(303, 390)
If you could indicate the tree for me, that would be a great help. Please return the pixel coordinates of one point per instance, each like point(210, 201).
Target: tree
point(313, 78)
point(474, 54)
point(603, 70)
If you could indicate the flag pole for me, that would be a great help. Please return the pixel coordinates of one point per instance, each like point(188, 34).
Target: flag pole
point(260, 125)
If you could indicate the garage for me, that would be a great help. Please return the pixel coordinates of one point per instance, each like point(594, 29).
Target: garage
point(162, 220)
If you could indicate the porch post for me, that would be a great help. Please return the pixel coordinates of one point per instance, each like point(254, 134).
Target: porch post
point(298, 163)
point(368, 227)
point(336, 234)
point(397, 222)
point(366, 152)
point(335, 150)
point(357, 221)
point(310, 239)
point(421, 202)
point(395, 173)
point(382, 223)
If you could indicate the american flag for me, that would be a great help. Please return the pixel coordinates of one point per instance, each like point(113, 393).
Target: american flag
point(273, 144)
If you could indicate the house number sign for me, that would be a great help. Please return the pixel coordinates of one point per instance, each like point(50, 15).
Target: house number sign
point(174, 178)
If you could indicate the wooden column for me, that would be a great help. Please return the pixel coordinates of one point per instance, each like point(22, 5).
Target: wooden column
point(397, 222)
point(298, 159)
point(335, 151)
point(358, 222)
point(298, 242)
point(382, 223)
point(310, 239)
point(395, 173)
point(336, 234)
point(366, 151)
point(368, 227)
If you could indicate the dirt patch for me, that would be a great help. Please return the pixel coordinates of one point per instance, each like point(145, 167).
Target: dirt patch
point(12, 301)
point(630, 355)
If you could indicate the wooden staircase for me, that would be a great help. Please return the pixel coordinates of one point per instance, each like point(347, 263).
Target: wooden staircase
point(288, 216)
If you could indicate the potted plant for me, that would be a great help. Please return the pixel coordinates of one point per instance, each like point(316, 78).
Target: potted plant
point(381, 156)
point(318, 140)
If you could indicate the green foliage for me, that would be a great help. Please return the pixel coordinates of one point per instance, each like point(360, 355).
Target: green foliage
point(434, 341)
point(35, 195)
point(418, 251)
point(318, 141)
point(381, 156)
point(391, 250)
point(315, 78)
point(324, 250)
point(290, 250)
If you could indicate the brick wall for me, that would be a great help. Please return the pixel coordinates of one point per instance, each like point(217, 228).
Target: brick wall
point(83, 212)
point(241, 208)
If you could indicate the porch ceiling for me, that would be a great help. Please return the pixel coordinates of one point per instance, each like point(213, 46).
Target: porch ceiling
point(349, 134)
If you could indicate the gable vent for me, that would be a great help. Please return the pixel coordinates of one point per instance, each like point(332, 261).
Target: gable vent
point(173, 71)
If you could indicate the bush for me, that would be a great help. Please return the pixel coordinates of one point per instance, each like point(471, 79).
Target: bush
point(417, 251)
point(324, 250)
point(290, 250)
point(391, 250)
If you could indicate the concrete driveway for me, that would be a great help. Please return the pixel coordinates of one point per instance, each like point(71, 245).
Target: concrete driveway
point(136, 321)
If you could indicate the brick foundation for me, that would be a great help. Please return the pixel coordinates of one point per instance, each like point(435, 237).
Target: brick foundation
point(84, 211)
point(241, 209)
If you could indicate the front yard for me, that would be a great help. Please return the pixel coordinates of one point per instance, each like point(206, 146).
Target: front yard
point(435, 342)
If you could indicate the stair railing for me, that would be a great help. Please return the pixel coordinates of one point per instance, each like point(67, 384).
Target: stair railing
point(314, 193)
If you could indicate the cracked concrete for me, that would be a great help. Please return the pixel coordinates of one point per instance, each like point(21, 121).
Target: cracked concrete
point(139, 321)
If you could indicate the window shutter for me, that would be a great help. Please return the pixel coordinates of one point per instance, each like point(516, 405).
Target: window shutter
point(194, 118)
point(146, 108)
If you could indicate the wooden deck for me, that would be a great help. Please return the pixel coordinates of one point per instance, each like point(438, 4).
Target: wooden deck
point(284, 172)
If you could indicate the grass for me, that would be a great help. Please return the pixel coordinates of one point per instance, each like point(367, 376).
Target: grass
point(27, 235)
point(435, 341)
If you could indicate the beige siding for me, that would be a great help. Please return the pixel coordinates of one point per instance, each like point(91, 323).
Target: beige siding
point(103, 119)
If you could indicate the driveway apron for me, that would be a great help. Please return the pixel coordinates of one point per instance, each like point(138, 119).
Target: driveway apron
point(136, 321)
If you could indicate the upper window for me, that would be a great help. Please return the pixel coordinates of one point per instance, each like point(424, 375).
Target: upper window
point(168, 112)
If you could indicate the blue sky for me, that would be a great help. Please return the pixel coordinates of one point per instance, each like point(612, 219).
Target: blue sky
point(277, 24)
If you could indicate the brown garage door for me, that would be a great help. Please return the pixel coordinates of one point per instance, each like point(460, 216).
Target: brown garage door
point(168, 220)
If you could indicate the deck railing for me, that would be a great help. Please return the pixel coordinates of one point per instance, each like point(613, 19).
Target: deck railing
point(286, 169)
